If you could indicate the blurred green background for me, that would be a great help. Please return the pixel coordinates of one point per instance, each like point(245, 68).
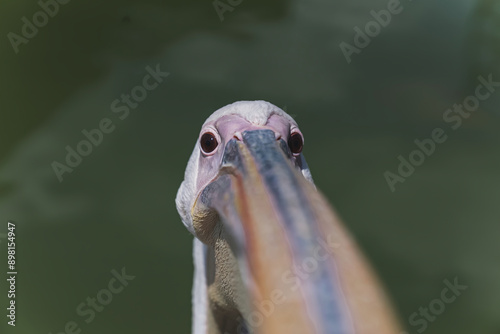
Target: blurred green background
point(116, 209)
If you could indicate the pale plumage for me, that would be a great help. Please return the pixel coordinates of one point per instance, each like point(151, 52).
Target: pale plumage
point(270, 255)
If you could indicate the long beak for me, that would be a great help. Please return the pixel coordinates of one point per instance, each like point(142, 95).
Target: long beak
point(303, 272)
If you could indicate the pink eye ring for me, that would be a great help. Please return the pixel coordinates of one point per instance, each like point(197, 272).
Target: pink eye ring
point(296, 143)
point(208, 142)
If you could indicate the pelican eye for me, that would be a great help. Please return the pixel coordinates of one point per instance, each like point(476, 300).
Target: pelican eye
point(208, 142)
point(296, 143)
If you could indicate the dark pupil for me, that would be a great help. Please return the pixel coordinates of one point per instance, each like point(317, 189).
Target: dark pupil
point(295, 143)
point(208, 142)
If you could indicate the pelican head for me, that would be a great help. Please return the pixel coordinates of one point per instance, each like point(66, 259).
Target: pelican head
point(270, 255)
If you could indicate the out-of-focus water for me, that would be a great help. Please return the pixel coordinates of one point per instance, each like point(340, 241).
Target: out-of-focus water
point(116, 208)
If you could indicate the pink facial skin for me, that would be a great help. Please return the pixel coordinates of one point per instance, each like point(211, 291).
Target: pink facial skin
point(232, 126)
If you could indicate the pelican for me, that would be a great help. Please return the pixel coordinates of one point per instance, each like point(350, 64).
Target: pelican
point(270, 255)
